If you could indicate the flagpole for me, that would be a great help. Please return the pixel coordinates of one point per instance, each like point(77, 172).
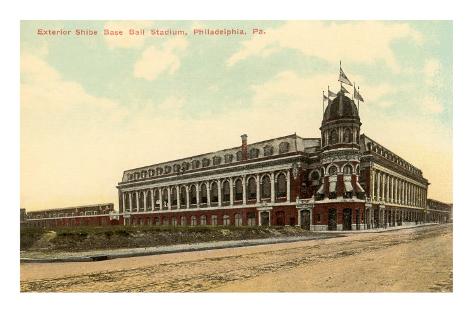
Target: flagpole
point(340, 71)
point(354, 84)
point(358, 98)
point(323, 104)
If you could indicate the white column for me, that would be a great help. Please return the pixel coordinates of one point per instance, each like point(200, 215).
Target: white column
point(243, 182)
point(231, 190)
point(372, 188)
point(396, 195)
point(378, 185)
point(123, 201)
point(197, 194)
point(288, 185)
point(145, 194)
point(219, 187)
point(152, 199)
point(187, 197)
point(208, 193)
point(272, 189)
point(137, 201)
point(130, 203)
point(382, 187)
point(258, 184)
point(160, 192)
point(169, 197)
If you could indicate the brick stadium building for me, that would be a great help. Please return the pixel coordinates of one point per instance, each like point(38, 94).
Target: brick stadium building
point(438, 211)
point(100, 214)
point(343, 180)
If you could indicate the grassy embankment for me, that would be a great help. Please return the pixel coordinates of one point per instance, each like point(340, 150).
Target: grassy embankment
point(89, 238)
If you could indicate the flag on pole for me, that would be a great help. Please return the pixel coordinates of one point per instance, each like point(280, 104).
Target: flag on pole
point(331, 94)
point(343, 89)
point(343, 78)
point(357, 95)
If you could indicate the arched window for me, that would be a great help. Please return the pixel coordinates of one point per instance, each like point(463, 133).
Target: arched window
point(347, 135)
point(183, 197)
point(165, 197)
point(174, 221)
point(239, 156)
point(217, 160)
point(254, 153)
point(283, 147)
point(332, 170)
point(214, 192)
point(141, 200)
point(238, 220)
point(173, 196)
point(203, 220)
point(226, 220)
point(314, 176)
point(193, 221)
point(251, 188)
point(176, 168)
point(228, 158)
point(226, 191)
point(251, 218)
point(281, 188)
point(203, 194)
point(148, 200)
point(127, 201)
point(238, 190)
point(183, 221)
point(347, 169)
point(195, 164)
point(193, 195)
point(159, 171)
point(333, 136)
point(185, 166)
point(214, 220)
point(167, 169)
point(268, 150)
point(205, 162)
point(266, 187)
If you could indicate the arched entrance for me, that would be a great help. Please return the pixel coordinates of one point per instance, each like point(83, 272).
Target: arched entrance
point(332, 219)
point(264, 218)
point(346, 219)
point(280, 220)
point(305, 219)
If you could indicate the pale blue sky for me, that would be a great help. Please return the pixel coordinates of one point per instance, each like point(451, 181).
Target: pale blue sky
point(89, 96)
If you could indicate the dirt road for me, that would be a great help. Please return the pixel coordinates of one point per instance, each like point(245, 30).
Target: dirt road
point(407, 260)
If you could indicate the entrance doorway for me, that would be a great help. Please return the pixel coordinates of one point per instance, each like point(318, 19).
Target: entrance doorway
point(265, 218)
point(346, 219)
point(280, 218)
point(332, 220)
point(305, 219)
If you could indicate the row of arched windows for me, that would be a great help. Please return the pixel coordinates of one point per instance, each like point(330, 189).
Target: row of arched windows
point(347, 135)
point(205, 162)
point(392, 157)
point(171, 194)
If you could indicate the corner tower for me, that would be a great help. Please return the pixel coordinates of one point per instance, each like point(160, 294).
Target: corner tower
point(340, 158)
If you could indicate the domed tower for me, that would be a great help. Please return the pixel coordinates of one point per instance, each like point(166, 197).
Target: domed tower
point(340, 156)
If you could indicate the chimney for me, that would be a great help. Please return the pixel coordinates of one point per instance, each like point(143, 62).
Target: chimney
point(244, 147)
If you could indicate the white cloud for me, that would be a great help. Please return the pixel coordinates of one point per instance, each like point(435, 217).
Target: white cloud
point(165, 59)
point(126, 40)
point(354, 42)
point(431, 104)
point(431, 71)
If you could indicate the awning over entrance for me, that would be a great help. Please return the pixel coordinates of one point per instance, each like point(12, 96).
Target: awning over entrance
point(321, 190)
point(359, 188)
point(348, 186)
point(332, 187)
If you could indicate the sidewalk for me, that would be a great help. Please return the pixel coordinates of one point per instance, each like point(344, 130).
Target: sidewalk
point(379, 230)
